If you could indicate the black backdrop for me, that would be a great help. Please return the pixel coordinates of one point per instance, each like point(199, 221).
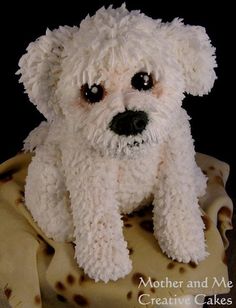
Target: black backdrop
point(213, 124)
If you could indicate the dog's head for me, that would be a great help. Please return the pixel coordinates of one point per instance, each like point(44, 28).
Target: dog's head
point(119, 79)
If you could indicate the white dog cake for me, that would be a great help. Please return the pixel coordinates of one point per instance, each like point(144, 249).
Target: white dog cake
point(115, 139)
point(116, 135)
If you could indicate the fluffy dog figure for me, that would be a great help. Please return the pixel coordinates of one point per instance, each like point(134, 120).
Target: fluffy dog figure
point(116, 135)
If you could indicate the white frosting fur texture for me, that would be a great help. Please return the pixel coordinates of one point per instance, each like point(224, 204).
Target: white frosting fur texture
point(83, 176)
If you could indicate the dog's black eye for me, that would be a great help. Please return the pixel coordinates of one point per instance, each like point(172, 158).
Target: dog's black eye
point(93, 94)
point(142, 81)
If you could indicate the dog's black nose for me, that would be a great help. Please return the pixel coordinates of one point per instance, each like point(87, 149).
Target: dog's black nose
point(129, 122)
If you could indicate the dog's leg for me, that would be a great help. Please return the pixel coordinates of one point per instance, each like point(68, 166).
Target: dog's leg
point(100, 246)
point(46, 196)
point(177, 218)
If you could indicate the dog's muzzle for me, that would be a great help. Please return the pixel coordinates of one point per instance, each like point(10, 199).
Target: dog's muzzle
point(129, 123)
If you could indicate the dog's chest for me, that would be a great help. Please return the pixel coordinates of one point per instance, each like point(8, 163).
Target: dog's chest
point(135, 182)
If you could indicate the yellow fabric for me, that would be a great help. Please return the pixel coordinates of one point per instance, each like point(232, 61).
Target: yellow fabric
point(35, 269)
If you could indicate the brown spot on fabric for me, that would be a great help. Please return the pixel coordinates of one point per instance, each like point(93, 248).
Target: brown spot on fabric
point(224, 214)
point(19, 200)
point(192, 264)
point(60, 286)
point(212, 168)
point(204, 172)
point(152, 290)
point(125, 218)
point(128, 225)
point(153, 280)
point(61, 298)
point(182, 270)
point(37, 299)
point(131, 251)
point(225, 211)
point(49, 250)
point(206, 222)
point(82, 279)
point(8, 292)
point(22, 193)
point(218, 179)
point(171, 265)
point(70, 279)
point(129, 295)
point(224, 259)
point(147, 225)
point(140, 293)
point(136, 278)
point(80, 300)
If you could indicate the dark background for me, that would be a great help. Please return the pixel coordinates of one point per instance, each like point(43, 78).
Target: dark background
point(213, 124)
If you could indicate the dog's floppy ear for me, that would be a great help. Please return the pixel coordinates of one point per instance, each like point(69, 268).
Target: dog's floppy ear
point(196, 54)
point(40, 69)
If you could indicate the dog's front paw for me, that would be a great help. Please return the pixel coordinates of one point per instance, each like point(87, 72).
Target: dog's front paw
point(60, 234)
point(185, 247)
point(102, 264)
point(181, 253)
point(60, 229)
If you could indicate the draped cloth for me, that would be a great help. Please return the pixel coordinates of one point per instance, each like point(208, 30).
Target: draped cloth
point(36, 271)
